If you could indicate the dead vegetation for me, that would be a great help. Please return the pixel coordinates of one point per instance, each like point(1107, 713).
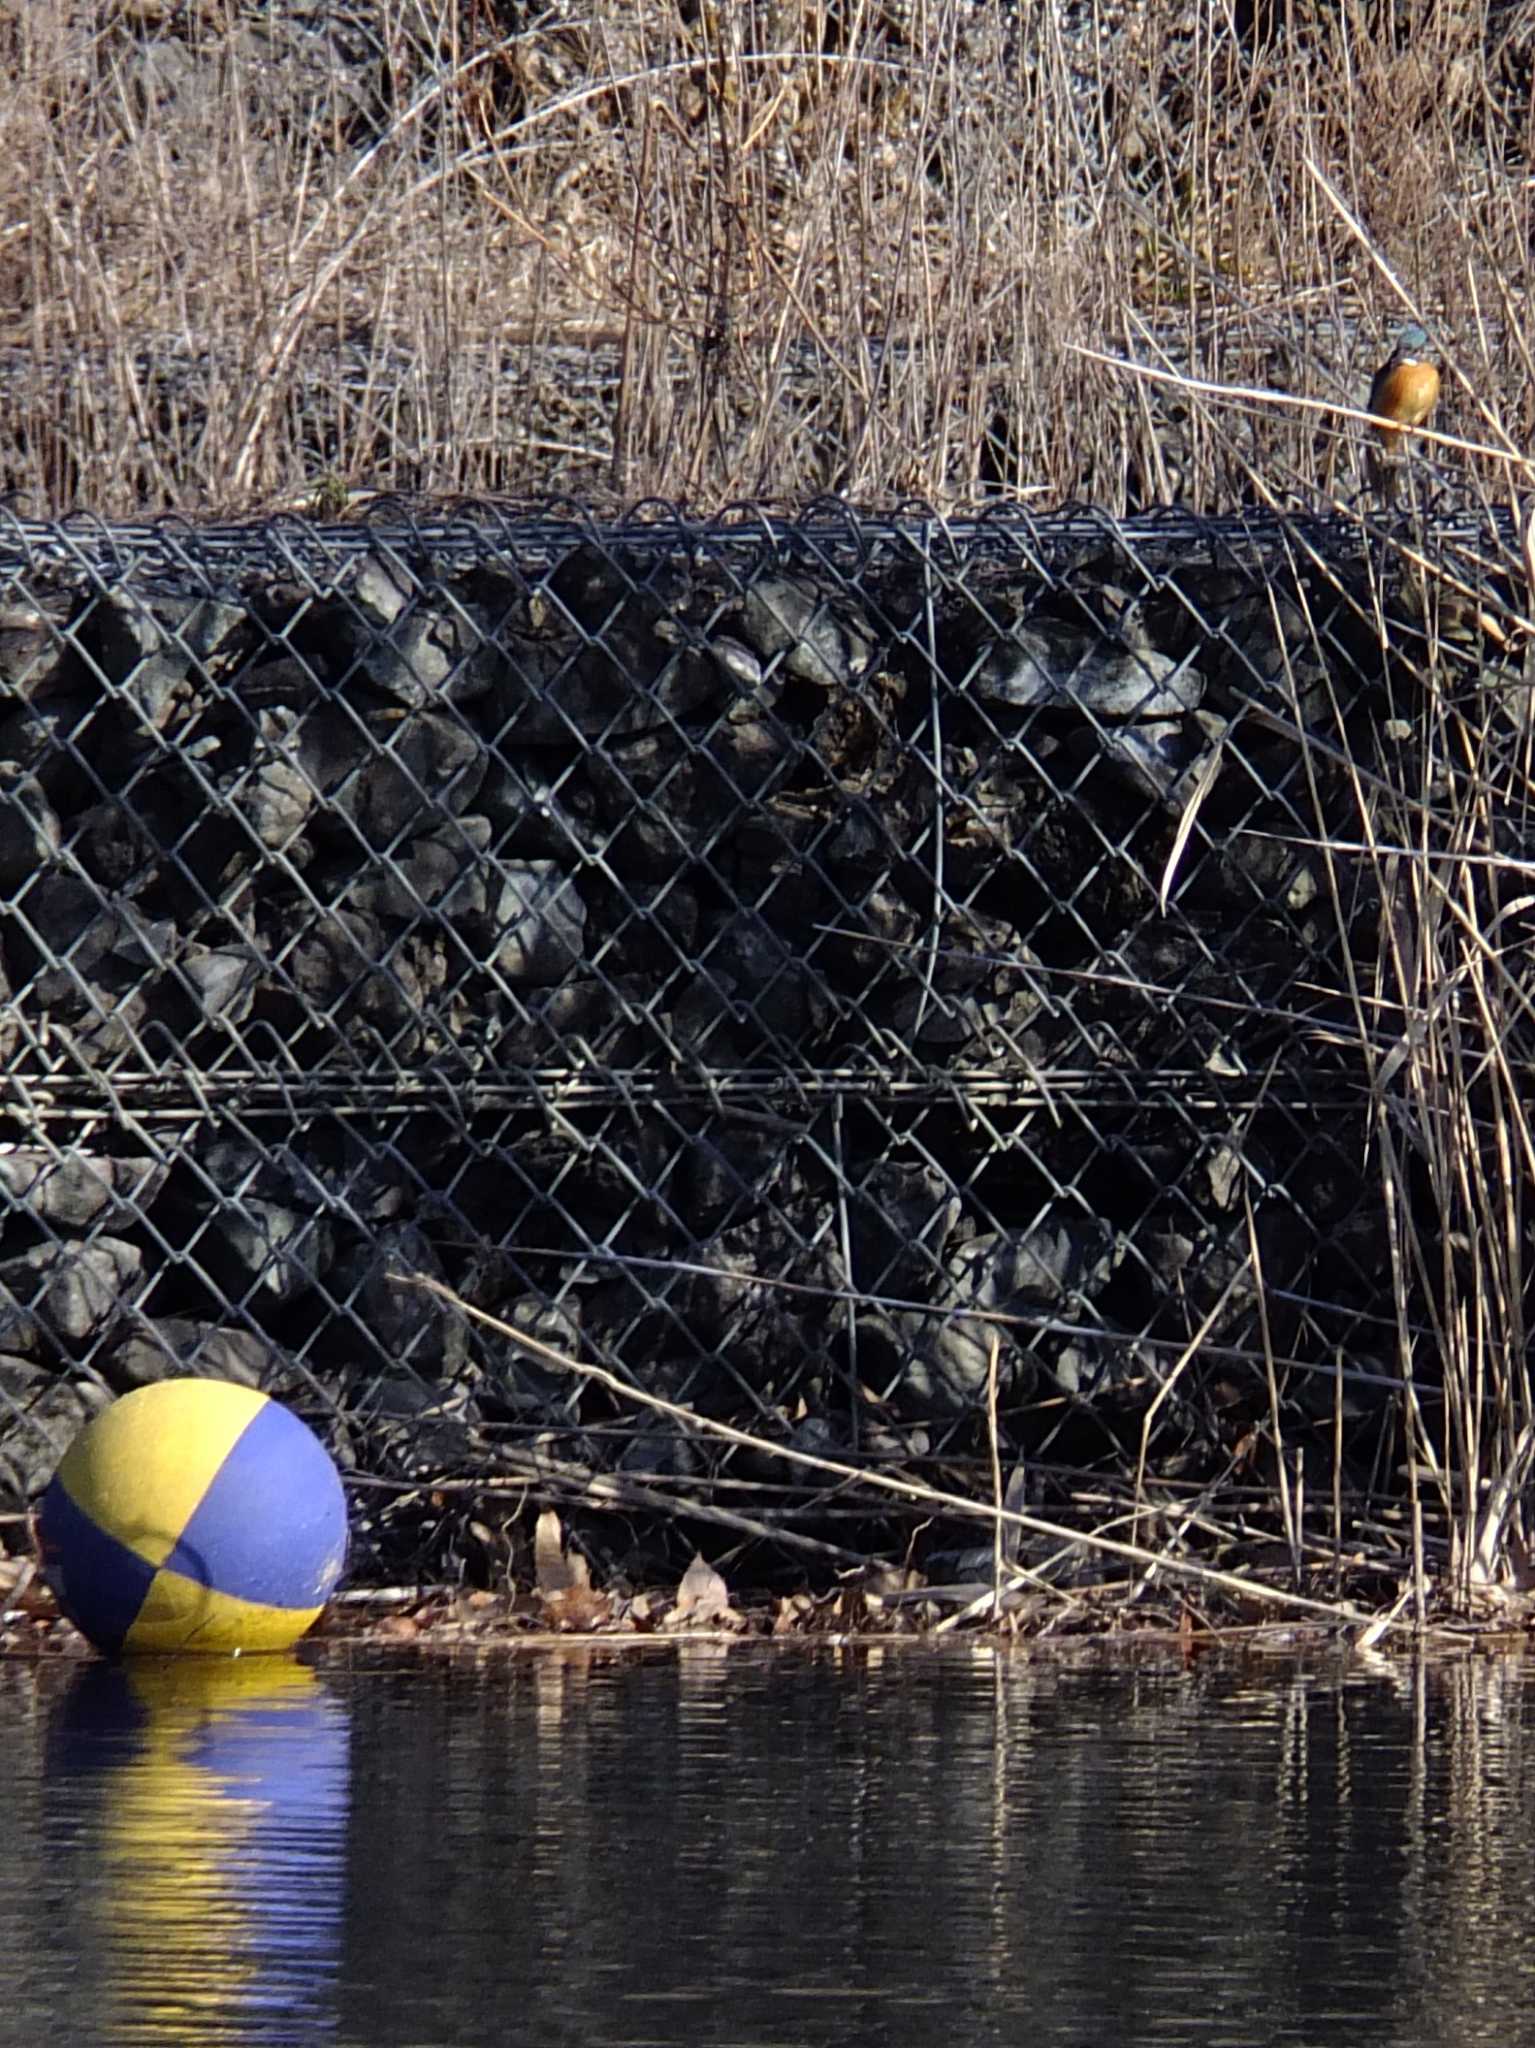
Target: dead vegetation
point(764, 250)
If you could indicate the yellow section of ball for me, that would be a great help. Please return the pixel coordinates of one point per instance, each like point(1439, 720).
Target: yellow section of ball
point(163, 1445)
point(181, 1614)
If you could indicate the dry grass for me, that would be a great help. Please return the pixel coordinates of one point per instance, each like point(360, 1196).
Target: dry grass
point(785, 246)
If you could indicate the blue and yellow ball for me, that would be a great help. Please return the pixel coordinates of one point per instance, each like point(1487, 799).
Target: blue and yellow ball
point(194, 1515)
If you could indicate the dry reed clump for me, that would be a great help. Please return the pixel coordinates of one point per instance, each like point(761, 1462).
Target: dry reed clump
point(769, 249)
point(1447, 1035)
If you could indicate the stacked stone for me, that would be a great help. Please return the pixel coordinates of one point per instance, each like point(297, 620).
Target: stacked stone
point(615, 923)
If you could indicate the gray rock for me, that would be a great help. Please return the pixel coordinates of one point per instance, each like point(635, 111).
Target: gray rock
point(222, 982)
point(1047, 1266)
point(40, 734)
point(971, 995)
point(415, 1328)
point(168, 1346)
point(31, 651)
point(900, 1219)
point(1223, 1171)
point(271, 1222)
point(425, 659)
point(93, 931)
point(945, 1356)
point(272, 791)
point(443, 871)
point(1039, 666)
point(73, 1290)
point(1136, 686)
point(76, 1189)
point(943, 1363)
point(514, 1379)
point(20, 1330)
point(101, 962)
point(739, 665)
point(333, 960)
point(215, 631)
point(539, 920)
point(592, 652)
point(662, 807)
point(150, 648)
point(817, 634)
point(1274, 654)
point(661, 1454)
point(123, 647)
point(30, 834)
point(951, 1022)
point(755, 1322)
point(283, 1250)
point(530, 811)
point(774, 989)
point(1159, 758)
point(381, 588)
point(414, 771)
point(42, 1411)
point(1094, 1368)
point(121, 850)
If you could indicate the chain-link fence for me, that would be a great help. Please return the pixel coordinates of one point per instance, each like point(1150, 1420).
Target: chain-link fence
point(780, 961)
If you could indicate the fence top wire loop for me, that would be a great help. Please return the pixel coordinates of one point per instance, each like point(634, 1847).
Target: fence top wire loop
point(828, 531)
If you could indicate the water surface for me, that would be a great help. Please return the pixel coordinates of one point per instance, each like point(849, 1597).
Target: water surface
point(753, 1846)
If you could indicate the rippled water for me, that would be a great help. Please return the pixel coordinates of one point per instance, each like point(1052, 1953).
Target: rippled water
point(694, 1846)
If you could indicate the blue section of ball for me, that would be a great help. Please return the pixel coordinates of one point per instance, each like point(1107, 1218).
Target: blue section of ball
point(272, 1525)
point(99, 1583)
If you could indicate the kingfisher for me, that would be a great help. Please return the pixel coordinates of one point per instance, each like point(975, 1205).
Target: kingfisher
point(1405, 388)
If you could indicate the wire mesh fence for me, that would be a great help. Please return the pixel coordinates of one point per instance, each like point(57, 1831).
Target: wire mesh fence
point(834, 973)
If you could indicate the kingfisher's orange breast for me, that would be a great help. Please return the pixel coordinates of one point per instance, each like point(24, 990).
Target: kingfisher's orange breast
point(1404, 392)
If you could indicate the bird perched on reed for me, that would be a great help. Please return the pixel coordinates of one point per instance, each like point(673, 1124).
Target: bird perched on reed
point(1405, 388)
point(1403, 392)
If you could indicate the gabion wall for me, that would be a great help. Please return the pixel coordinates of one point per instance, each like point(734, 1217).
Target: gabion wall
point(618, 921)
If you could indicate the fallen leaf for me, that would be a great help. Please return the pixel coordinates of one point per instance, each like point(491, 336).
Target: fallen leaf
point(703, 1595)
point(554, 1571)
point(396, 1628)
point(576, 1607)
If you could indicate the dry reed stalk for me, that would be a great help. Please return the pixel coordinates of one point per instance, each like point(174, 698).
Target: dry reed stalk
point(1288, 1506)
point(994, 1449)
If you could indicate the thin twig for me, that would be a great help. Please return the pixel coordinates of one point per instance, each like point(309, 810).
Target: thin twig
point(906, 1489)
point(996, 1469)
